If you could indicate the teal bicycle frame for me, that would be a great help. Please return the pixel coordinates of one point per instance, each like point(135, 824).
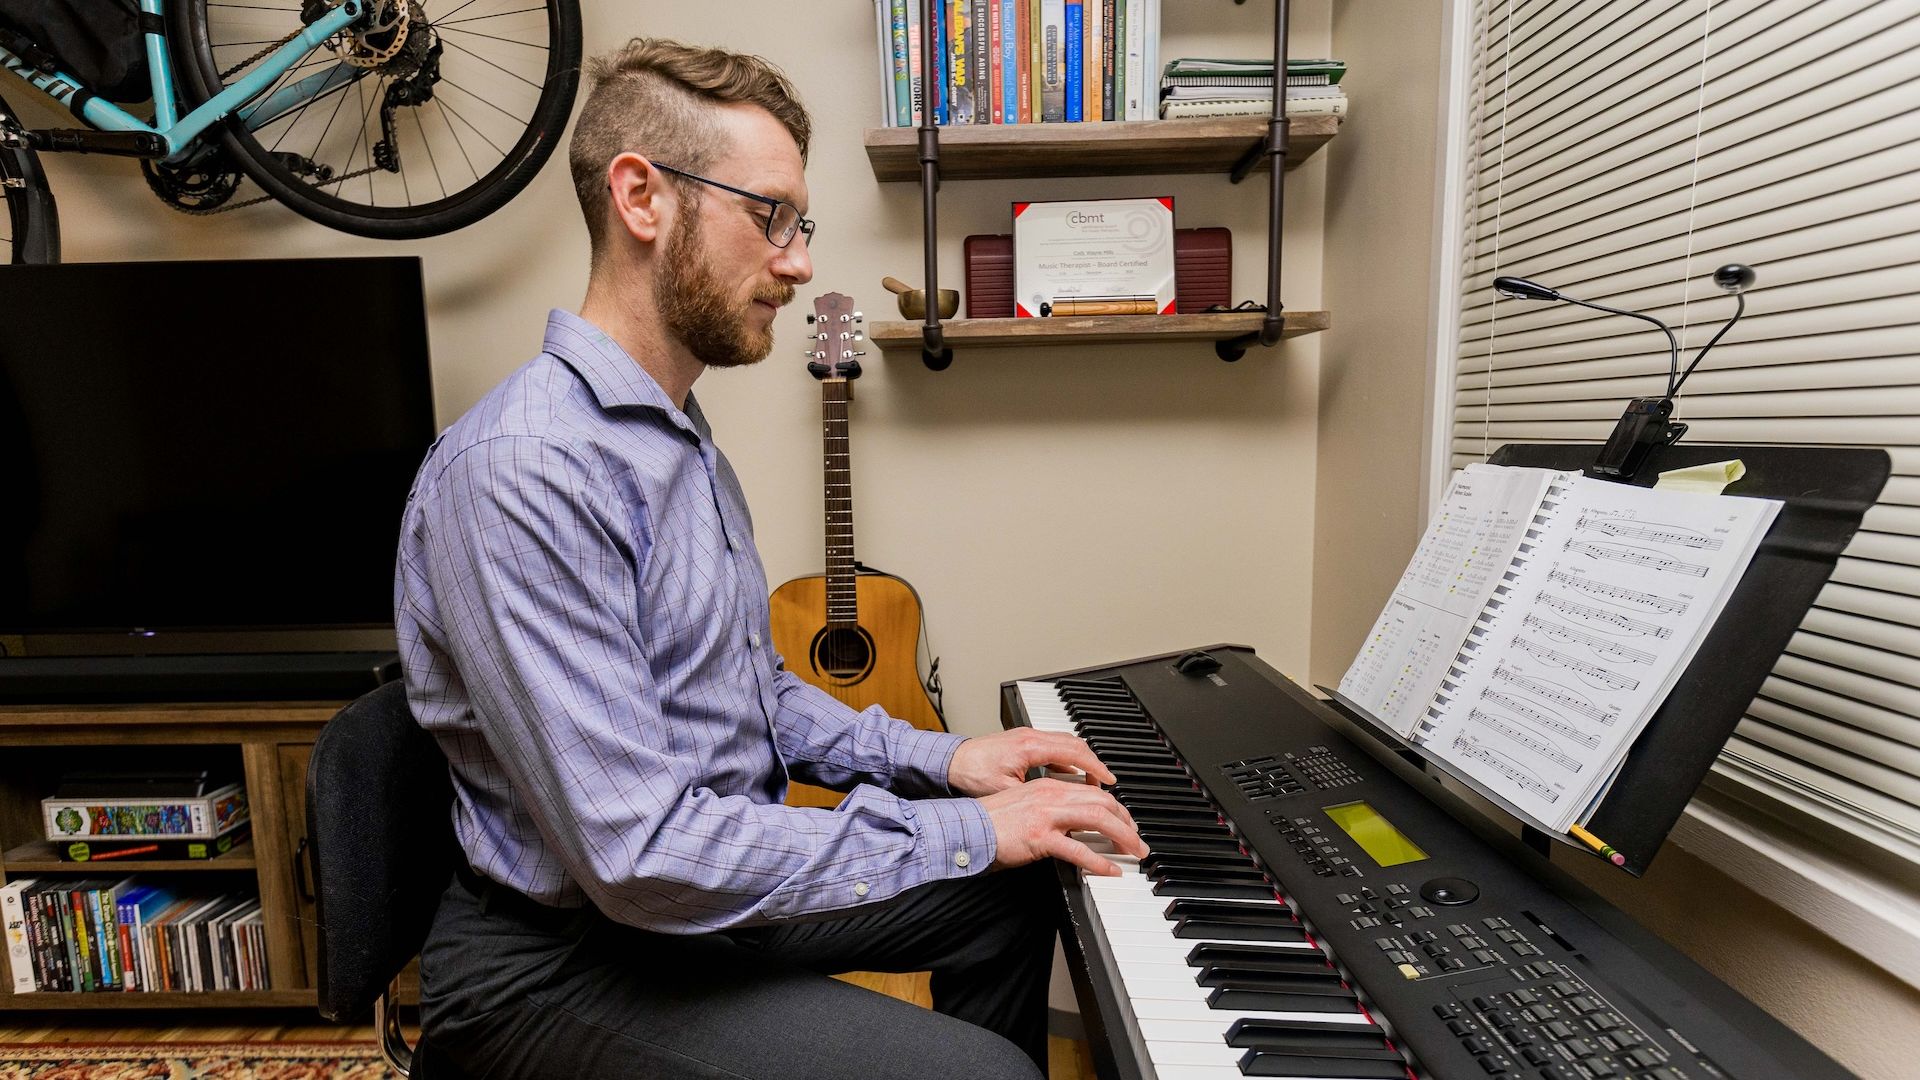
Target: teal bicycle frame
point(178, 133)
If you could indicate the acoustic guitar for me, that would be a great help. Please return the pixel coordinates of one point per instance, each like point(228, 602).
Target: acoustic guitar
point(854, 635)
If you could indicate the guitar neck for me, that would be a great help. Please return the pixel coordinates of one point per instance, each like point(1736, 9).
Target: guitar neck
point(842, 606)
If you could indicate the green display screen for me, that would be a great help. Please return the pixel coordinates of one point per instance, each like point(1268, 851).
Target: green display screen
point(1376, 835)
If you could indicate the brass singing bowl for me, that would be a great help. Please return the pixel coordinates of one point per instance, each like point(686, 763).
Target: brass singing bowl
point(913, 302)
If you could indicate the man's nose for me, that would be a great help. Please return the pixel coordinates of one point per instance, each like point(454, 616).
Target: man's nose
point(794, 263)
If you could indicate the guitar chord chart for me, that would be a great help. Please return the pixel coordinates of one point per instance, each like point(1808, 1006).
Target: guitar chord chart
point(1606, 616)
point(1591, 586)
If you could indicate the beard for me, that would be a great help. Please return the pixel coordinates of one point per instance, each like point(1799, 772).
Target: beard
point(698, 310)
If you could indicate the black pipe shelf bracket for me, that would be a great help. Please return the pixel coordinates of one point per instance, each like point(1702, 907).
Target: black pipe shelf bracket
point(938, 355)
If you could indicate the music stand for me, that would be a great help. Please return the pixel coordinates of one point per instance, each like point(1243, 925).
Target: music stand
point(1825, 493)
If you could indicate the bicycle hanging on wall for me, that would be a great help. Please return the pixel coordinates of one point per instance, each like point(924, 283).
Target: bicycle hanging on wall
point(375, 117)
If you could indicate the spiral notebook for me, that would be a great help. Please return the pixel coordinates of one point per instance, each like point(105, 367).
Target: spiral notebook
point(1542, 621)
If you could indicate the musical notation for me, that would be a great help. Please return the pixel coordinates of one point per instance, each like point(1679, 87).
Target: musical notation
point(1615, 525)
point(1528, 780)
point(1557, 725)
point(1602, 615)
point(1566, 698)
point(1603, 646)
point(1594, 672)
point(1634, 556)
point(1538, 746)
point(1650, 601)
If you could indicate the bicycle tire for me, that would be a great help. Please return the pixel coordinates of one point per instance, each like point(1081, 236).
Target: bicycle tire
point(32, 221)
point(201, 79)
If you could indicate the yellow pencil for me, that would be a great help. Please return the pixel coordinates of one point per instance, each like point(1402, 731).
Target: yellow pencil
point(1606, 851)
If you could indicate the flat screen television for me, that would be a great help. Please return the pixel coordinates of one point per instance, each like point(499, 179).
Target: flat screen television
point(206, 448)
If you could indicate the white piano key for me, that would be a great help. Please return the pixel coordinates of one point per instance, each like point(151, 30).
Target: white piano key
point(1143, 988)
point(1186, 1009)
point(1195, 1054)
point(1196, 1072)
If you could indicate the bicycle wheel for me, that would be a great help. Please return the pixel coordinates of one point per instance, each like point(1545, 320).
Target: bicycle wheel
point(414, 124)
point(29, 222)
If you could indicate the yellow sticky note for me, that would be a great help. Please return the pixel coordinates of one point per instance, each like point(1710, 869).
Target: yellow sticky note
point(1709, 479)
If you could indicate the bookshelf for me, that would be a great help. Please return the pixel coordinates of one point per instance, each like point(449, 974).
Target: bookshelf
point(1112, 148)
point(271, 740)
point(898, 338)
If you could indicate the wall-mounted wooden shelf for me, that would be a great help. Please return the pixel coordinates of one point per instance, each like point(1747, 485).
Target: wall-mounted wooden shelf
point(39, 857)
point(904, 337)
point(1001, 151)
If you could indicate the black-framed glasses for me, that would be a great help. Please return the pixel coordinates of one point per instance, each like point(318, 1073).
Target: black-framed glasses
point(783, 219)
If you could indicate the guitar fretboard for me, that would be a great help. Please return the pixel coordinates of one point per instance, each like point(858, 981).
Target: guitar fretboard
point(842, 607)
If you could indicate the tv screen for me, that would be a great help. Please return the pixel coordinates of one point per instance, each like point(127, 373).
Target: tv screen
point(207, 445)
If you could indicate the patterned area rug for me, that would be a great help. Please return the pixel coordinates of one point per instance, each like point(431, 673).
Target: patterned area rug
point(192, 1061)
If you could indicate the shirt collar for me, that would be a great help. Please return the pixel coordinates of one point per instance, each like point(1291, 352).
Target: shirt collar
point(616, 378)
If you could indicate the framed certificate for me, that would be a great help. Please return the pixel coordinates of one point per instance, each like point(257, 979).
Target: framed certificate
point(1093, 257)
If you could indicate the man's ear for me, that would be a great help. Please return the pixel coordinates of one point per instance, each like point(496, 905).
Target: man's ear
point(641, 204)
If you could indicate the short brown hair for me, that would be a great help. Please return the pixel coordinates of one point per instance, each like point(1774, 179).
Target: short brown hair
point(653, 96)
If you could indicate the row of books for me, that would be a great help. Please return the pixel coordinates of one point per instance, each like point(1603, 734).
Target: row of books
point(1020, 61)
point(103, 935)
point(1206, 87)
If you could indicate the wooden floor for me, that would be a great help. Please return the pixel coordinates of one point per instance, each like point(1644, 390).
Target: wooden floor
point(1068, 1059)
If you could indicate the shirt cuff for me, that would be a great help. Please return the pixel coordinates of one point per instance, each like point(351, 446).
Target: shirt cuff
point(920, 759)
point(956, 836)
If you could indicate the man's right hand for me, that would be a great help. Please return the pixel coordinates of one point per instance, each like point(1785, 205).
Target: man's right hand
point(1031, 822)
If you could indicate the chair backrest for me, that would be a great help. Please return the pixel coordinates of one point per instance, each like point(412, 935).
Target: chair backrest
point(379, 818)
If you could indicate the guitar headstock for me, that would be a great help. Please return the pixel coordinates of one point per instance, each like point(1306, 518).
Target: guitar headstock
point(833, 354)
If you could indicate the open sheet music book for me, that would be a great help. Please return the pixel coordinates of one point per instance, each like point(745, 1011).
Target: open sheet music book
point(1542, 621)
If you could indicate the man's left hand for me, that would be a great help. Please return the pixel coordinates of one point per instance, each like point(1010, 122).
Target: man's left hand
point(989, 763)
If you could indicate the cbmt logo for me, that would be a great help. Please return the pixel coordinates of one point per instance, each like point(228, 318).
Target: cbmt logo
point(1075, 219)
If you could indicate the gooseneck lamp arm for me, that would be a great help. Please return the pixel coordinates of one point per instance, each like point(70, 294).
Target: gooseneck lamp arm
point(1522, 289)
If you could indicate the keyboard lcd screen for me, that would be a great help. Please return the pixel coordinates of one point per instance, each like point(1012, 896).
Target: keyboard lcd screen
point(1376, 835)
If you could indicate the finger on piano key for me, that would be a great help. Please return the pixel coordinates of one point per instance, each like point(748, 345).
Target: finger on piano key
point(1069, 775)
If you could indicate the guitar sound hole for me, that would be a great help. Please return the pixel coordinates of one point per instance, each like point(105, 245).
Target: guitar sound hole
point(844, 654)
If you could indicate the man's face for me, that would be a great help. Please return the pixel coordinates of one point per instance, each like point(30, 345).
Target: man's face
point(721, 281)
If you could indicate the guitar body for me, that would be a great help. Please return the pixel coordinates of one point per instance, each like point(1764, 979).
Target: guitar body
point(854, 635)
point(874, 662)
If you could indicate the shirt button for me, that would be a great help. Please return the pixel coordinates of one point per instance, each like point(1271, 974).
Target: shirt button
point(859, 888)
point(961, 858)
point(753, 639)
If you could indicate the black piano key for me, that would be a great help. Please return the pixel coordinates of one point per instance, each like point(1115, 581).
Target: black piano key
point(1186, 908)
point(1218, 890)
point(1153, 833)
point(1308, 980)
point(1147, 814)
point(1218, 876)
point(1226, 997)
point(1107, 744)
point(1127, 770)
point(1153, 783)
point(1391, 1067)
point(1219, 860)
point(1189, 802)
point(1224, 930)
point(1307, 1037)
point(1196, 845)
point(1253, 958)
point(1302, 965)
point(1136, 757)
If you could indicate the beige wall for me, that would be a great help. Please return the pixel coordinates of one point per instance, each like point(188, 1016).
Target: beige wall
point(1054, 508)
point(1374, 405)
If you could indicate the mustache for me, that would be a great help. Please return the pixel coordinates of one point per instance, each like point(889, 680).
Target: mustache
point(778, 295)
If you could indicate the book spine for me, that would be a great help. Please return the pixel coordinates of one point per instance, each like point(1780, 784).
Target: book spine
point(981, 68)
point(960, 57)
point(1023, 50)
point(1053, 58)
point(1093, 47)
point(53, 904)
point(106, 940)
point(1150, 59)
point(937, 9)
point(1463, 660)
point(130, 962)
point(46, 963)
point(1109, 40)
point(902, 88)
point(1009, 84)
point(1139, 97)
point(1073, 29)
point(996, 68)
point(13, 914)
point(79, 940)
point(916, 91)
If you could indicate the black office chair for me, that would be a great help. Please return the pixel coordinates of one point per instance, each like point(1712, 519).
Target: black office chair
point(379, 803)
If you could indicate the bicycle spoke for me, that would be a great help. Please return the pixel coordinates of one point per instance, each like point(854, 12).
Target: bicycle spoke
point(483, 135)
point(322, 140)
point(428, 146)
point(477, 18)
point(482, 100)
point(490, 63)
point(457, 141)
point(494, 37)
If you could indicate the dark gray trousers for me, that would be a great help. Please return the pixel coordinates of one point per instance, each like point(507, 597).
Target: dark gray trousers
point(512, 990)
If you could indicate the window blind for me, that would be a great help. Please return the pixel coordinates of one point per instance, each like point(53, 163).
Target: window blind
point(1619, 151)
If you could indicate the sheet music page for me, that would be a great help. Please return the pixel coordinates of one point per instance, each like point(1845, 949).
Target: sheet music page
point(1613, 600)
point(1467, 546)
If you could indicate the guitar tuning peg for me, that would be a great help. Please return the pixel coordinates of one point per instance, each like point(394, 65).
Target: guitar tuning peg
point(811, 319)
point(858, 336)
point(857, 317)
point(862, 352)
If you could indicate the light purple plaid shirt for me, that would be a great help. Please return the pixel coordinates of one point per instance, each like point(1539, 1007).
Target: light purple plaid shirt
point(583, 622)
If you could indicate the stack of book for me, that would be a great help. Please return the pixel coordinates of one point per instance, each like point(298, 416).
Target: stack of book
point(101, 935)
point(1206, 87)
point(1019, 61)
